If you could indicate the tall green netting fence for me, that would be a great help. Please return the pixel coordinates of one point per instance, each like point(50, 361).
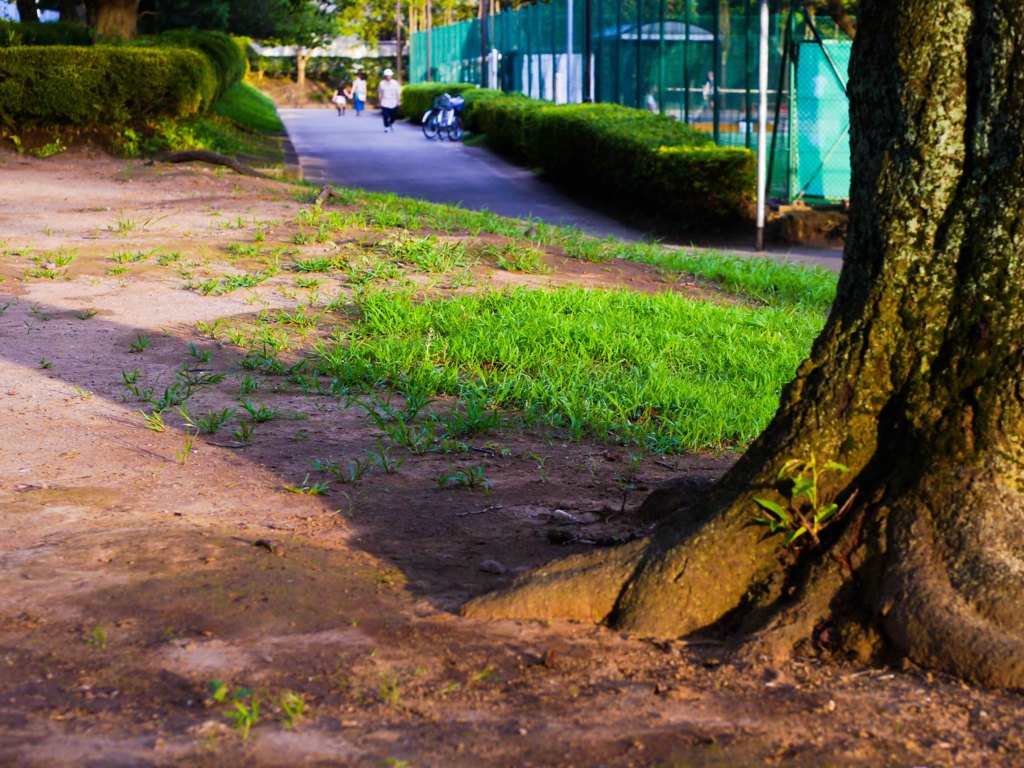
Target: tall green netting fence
point(696, 61)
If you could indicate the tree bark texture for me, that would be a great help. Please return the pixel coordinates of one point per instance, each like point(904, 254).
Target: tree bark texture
point(916, 383)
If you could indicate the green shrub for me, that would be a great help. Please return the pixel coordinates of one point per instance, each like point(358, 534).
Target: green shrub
point(506, 122)
point(224, 53)
point(101, 86)
point(636, 160)
point(473, 99)
point(713, 181)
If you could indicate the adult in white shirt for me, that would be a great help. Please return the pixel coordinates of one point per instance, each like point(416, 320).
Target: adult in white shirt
point(389, 93)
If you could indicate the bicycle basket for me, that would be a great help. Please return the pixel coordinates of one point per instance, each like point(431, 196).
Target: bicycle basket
point(444, 101)
point(457, 102)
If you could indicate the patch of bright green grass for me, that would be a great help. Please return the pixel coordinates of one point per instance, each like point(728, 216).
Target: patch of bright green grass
point(664, 371)
point(764, 279)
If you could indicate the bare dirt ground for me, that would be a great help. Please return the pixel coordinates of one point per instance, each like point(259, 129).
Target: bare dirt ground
point(135, 575)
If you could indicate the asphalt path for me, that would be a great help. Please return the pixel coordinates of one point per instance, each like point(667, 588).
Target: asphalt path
point(358, 152)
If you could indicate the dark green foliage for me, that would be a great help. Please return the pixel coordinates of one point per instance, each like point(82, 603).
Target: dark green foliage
point(222, 50)
point(633, 159)
point(224, 53)
point(473, 98)
point(506, 121)
point(103, 86)
point(59, 33)
point(691, 183)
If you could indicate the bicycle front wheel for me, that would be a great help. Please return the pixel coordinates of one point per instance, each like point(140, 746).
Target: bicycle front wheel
point(431, 126)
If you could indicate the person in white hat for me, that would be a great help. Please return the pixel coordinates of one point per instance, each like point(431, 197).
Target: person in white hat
point(389, 93)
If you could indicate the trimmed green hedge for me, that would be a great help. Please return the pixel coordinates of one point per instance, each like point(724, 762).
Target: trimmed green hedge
point(636, 160)
point(101, 86)
point(224, 52)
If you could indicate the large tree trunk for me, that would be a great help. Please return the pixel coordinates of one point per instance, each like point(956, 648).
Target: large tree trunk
point(915, 383)
point(114, 19)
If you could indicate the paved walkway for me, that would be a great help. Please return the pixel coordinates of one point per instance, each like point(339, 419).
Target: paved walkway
point(357, 152)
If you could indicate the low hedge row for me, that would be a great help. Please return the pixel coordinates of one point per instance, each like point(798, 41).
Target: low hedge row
point(417, 99)
point(102, 86)
point(630, 158)
point(651, 163)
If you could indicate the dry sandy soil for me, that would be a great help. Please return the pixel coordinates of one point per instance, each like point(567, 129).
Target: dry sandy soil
point(134, 576)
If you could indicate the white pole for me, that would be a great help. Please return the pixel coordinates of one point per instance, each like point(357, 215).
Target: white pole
point(568, 58)
point(762, 125)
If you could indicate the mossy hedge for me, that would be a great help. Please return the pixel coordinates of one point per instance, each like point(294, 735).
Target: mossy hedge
point(632, 159)
point(101, 86)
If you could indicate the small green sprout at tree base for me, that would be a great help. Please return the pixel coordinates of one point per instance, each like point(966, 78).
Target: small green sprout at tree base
point(244, 717)
point(304, 488)
point(808, 509)
point(293, 707)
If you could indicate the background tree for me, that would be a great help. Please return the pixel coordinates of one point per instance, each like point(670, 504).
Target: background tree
point(842, 13)
point(113, 19)
point(305, 24)
point(916, 384)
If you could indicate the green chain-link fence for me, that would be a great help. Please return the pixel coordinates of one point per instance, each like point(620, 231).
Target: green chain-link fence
point(696, 62)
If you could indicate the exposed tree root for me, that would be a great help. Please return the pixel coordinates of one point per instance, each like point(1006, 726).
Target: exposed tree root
point(214, 158)
point(326, 192)
point(583, 587)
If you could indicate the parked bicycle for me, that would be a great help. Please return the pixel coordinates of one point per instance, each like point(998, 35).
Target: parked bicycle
point(445, 119)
